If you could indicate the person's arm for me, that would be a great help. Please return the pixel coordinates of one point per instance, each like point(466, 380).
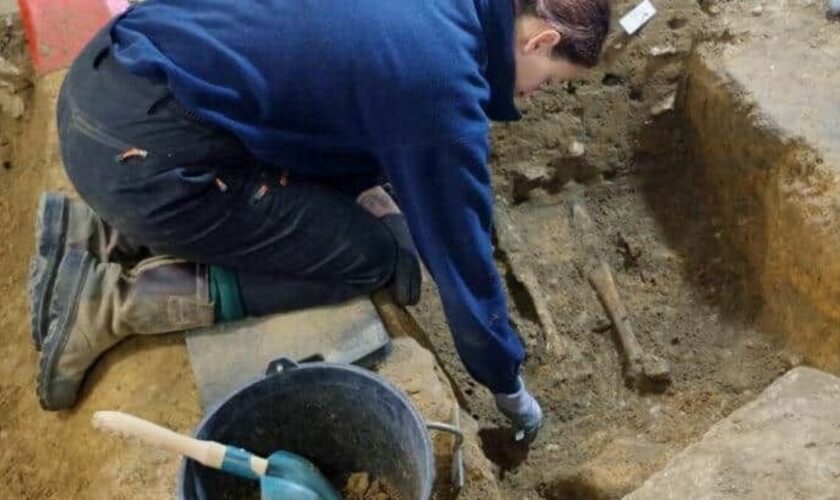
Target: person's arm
point(445, 191)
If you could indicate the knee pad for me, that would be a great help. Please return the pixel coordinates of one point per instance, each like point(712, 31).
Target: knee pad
point(408, 278)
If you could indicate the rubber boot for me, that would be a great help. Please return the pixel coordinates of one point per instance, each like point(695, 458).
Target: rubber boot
point(62, 223)
point(95, 305)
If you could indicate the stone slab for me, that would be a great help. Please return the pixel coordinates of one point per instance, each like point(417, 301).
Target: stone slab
point(788, 66)
point(225, 357)
point(783, 445)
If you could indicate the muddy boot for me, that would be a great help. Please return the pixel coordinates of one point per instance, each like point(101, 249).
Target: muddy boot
point(62, 223)
point(95, 305)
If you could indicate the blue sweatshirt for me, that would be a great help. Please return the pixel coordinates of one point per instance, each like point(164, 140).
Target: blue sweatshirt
point(361, 87)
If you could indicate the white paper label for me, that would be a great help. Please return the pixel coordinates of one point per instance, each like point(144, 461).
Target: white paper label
point(637, 17)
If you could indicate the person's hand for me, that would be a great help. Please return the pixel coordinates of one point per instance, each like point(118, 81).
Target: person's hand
point(523, 411)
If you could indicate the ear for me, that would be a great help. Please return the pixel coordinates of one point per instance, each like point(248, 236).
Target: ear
point(544, 41)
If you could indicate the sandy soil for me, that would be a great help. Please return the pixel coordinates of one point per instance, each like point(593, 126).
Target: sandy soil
point(360, 487)
point(672, 277)
point(58, 455)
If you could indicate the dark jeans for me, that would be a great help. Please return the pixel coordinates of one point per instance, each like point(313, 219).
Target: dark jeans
point(183, 187)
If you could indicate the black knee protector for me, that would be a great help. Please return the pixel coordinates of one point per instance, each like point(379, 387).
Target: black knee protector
point(407, 280)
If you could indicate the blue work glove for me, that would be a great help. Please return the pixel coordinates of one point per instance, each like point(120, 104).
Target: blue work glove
point(523, 411)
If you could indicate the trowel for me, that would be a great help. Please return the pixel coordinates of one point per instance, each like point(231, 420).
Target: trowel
point(283, 475)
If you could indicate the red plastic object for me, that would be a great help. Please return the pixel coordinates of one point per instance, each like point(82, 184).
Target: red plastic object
point(57, 30)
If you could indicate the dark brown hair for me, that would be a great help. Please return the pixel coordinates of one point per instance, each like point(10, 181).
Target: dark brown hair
point(582, 24)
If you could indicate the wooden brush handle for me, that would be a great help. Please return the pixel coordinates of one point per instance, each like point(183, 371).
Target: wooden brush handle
point(209, 453)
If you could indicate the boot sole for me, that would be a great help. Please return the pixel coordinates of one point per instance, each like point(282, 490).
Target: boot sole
point(49, 246)
point(70, 279)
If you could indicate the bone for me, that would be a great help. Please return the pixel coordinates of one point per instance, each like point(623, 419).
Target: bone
point(511, 243)
point(642, 371)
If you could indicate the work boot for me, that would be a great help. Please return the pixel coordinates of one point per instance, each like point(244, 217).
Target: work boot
point(62, 223)
point(95, 305)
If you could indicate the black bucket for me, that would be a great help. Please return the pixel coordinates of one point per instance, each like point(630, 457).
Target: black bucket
point(342, 418)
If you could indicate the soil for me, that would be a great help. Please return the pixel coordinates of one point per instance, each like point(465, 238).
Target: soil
point(605, 110)
point(59, 455)
point(770, 164)
point(672, 273)
point(678, 281)
point(360, 487)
